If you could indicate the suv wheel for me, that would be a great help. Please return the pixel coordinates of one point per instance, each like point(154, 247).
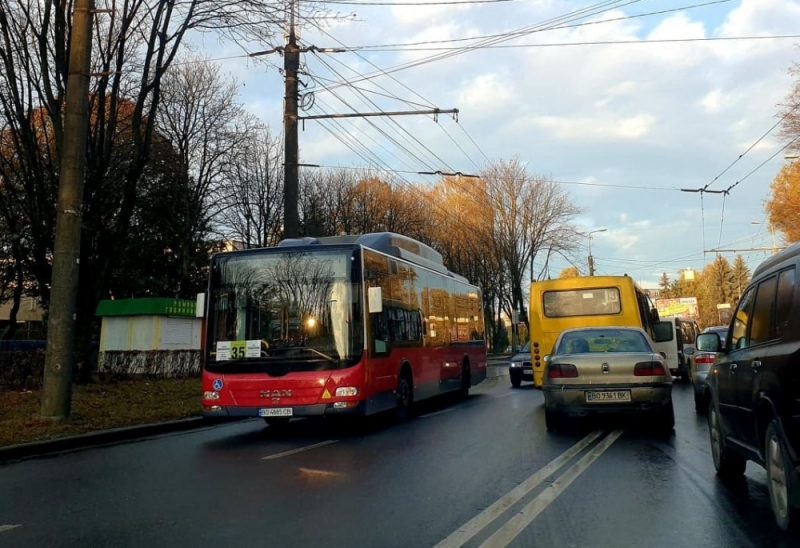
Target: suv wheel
point(727, 463)
point(780, 478)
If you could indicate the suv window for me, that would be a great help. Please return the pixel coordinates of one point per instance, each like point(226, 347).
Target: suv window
point(762, 328)
point(783, 308)
point(741, 319)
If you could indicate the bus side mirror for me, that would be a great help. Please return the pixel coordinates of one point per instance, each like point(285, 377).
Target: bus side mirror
point(200, 306)
point(375, 298)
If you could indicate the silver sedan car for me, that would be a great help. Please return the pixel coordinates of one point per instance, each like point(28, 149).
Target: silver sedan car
point(606, 370)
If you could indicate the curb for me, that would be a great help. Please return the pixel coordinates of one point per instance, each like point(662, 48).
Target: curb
point(112, 436)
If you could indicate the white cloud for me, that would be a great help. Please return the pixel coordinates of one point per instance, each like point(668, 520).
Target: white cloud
point(670, 115)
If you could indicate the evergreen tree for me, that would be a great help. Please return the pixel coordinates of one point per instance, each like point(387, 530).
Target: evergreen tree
point(720, 280)
point(664, 285)
point(741, 274)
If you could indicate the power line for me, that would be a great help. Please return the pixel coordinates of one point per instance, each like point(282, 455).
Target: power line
point(598, 43)
point(446, 3)
point(574, 16)
point(536, 28)
point(394, 122)
point(751, 147)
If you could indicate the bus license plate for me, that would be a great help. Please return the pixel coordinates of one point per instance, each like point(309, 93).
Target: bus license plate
point(275, 412)
point(611, 396)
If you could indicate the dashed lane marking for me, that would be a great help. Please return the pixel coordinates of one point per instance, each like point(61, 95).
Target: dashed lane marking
point(298, 450)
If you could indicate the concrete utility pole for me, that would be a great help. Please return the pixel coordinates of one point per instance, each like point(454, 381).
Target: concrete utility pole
point(291, 64)
point(59, 359)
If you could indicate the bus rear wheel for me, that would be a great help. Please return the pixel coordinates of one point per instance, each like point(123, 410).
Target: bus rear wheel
point(405, 396)
point(466, 380)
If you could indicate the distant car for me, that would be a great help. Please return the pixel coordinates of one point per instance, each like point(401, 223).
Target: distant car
point(520, 368)
point(606, 370)
point(701, 364)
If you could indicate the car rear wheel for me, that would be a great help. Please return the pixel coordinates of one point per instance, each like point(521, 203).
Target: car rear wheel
point(727, 463)
point(780, 478)
point(665, 420)
point(553, 420)
point(699, 405)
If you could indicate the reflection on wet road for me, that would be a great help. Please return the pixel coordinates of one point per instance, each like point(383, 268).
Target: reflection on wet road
point(476, 472)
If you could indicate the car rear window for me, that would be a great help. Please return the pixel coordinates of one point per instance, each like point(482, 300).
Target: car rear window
point(603, 340)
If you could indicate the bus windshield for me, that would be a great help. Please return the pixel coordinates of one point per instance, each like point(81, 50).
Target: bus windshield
point(298, 309)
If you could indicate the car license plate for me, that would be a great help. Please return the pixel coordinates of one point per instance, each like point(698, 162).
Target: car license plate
point(275, 412)
point(609, 395)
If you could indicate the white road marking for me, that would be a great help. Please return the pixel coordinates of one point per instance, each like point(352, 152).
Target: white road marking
point(474, 526)
point(298, 450)
point(442, 412)
point(513, 527)
point(4, 528)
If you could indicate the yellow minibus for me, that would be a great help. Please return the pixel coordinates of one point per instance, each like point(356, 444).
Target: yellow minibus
point(586, 301)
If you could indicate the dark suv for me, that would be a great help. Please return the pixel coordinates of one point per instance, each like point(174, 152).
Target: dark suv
point(753, 388)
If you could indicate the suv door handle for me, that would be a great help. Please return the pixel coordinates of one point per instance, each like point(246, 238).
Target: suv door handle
point(734, 367)
point(756, 364)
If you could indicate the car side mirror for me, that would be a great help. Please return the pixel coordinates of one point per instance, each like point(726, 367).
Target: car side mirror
point(663, 355)
point(546, 358)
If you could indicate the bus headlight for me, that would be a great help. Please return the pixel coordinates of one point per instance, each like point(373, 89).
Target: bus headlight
point(346, 391)
point(209, 395)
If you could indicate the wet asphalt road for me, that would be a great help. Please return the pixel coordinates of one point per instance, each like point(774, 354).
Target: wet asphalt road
point(480, 472)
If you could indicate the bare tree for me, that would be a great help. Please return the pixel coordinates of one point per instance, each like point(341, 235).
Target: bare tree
point(790, 112)
point(251, 204)
point(531, 215)
point(207, 127)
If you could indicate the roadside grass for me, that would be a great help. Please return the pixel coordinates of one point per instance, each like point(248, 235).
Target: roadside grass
point(99, 406)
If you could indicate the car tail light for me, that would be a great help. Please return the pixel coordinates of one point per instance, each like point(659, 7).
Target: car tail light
point(649, 369)
point(707, 358)
point(561, 371)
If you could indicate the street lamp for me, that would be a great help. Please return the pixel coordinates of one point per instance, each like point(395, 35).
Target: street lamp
point(591, 259)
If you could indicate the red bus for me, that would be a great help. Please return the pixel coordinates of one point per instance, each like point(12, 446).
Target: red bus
point(337, 325)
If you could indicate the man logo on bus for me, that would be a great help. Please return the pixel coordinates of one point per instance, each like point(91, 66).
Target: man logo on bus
point(275, 393)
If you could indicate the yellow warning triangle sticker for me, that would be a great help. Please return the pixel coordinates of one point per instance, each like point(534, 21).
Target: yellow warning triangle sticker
point(326, 395)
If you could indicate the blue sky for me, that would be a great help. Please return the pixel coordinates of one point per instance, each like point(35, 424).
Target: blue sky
point(659, 115)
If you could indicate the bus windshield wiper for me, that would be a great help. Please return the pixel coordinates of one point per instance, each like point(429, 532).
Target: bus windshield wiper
point(322, 354)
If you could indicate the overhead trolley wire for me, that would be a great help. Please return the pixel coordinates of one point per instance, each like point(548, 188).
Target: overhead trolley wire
point(391, 120)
